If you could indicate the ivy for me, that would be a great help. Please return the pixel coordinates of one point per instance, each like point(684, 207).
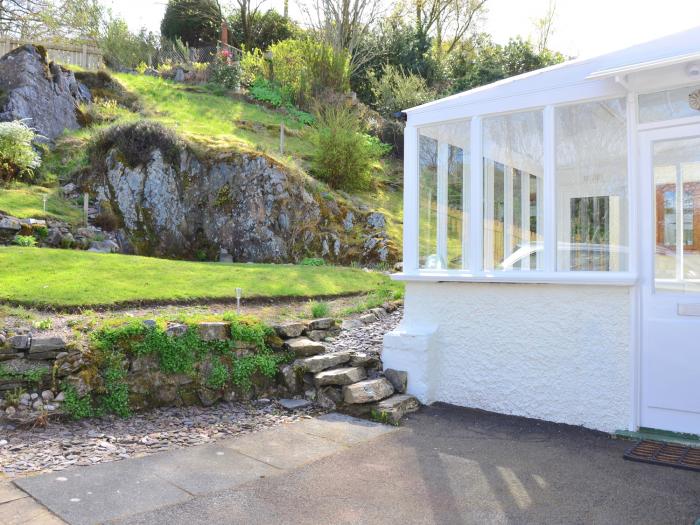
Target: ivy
point(218, 377)
point(264, 363)
point(77, 407)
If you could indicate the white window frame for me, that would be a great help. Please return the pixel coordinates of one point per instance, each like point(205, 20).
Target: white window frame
point(473, 232)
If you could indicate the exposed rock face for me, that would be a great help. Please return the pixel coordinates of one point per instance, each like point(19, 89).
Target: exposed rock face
point(46, 93)
point(177, 205)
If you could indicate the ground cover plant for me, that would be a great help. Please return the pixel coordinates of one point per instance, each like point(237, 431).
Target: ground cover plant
point(69, 278)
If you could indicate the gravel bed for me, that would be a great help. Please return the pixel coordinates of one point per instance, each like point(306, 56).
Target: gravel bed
point(64, 444)
point(366, 338)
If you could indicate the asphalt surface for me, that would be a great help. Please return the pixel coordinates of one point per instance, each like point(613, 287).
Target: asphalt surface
point(452, 465)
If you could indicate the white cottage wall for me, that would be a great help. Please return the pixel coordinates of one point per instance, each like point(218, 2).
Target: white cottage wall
point(555, 352)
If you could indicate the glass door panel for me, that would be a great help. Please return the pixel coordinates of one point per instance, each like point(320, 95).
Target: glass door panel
point(677, 208)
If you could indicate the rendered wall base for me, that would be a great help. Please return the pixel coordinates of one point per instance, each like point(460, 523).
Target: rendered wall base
point(553, 352)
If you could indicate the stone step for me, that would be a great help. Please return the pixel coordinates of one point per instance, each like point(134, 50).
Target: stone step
point(322, 362)
point(394, 408)
point(304, 347)
point(367, 391)
point(340, 376)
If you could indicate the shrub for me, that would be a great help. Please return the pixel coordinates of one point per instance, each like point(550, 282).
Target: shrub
point(343, 156)
point(122, 48)
point(319, 310)
point(265, 91)
point(312, 261)
point(18, 158)
point(396, 90)
point(224, 71)
point(24, 240)
point(264, 29)
point(196, 22)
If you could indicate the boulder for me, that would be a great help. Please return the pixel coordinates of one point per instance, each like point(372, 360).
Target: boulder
point(289, 329)
point(217, 331)
point(340, 376)
point(321, 362)
point(321, 324)
point(397, 378)
point(106, 246)
point(394, 408)
point(20, 342)
point(367, 391)
point(304, 347)
point(43, 92)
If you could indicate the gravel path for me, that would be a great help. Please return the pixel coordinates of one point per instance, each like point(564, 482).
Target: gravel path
point(63, 444)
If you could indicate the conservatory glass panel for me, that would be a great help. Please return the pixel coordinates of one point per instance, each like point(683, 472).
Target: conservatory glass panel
point(669, 104)
point(677, 198)
point(513, 148)
point(591, 186)
point(444, 184)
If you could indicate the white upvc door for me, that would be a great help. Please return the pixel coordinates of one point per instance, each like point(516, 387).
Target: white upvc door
point(670, 215)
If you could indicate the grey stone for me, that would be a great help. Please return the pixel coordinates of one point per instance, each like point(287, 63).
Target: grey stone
point(106, 246)
point(368, 318)
point(44, 92)
point(396, 407)
point(376, 220)
point(304, 347)
point(321, 362)
point(380, 313)
point(397, 378)
point(46, 344)
point(47, 395)
point(291, 379)
point(20, 366)
point(225, 257)
point(10, 223)
point(174, 330)
point(364, 359)
point(321, 324)
point(20, 342)
point(349, 324)
point(340, 376)
point(318, 335)
point(294, 404)
point(289, 329)
point(149, 323)
point(38, 404)
point(60, 398)
point(367, 391)
point(10, 411)
point(329, 397)
point(179, 75)
point(215, 331)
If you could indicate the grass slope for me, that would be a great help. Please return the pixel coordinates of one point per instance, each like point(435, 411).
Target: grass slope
point(66, 278)
point(27, 201)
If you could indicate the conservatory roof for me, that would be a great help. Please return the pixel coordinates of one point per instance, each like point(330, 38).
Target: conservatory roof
point(666, 51)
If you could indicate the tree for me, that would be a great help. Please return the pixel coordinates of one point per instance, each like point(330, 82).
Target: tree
point(195, 22)
point(263, 29)
point(22, 18)
point(545, 27)
point(122, 48)
point(449, 21)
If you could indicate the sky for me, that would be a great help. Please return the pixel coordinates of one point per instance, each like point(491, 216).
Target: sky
point(582, 28)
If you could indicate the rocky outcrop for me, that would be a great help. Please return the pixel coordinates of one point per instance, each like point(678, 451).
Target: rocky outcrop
point(43, 92)
point(167, 200)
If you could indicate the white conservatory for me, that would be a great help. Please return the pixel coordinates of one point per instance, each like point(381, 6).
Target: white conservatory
point(552, 243)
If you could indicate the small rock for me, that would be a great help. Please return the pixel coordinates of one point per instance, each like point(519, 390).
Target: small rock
point(321, 324)
point(294, 404)
point(289, 330)
point(47, 395)
point(349, 324)
point(50, 407)
point(25, 399)
point(367, 391)
point(396, 407)
point(380, 313)
point(304, 347)
point(368, 318)
point(34, 396)
point(397, 378)
point(38, 404)
point(60, 398)
point(10, 411)
point(340, 376)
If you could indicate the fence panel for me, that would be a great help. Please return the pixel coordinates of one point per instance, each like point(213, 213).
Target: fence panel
point(88, 57)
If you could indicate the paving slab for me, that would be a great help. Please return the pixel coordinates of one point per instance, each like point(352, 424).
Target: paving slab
point(343, 429)
point(9, 492)
point(26, 511)
point(283, 447)
point(207, 468)
point(86, 495)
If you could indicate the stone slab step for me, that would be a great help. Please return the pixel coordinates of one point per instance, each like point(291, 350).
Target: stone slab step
point(340, 376)
point(322, 362)
point(304, 347)
point(394, 408)
point(367, 391)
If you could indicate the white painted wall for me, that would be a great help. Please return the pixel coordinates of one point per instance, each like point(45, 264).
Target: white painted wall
point(554, 352)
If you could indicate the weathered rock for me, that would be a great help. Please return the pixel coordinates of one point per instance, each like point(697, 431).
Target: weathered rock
point(8, 353)
point(367, 391)
point(105, 246)
point(368, 318)
point(380, 313)
point(47, 395)
point(294, 404)
point(289, 329)
point(46, 344)
point(44, 92)
point(175, 330)
point(376, 220)
point(364, 359)
point(304, 347)
point(217, 331)
point(318, 335)
point(396, 407)
point(321, 324)
point(349, 324)
point(20, 342)
point(340, 376)
point(9, 226)
point(397, 378)
point(321, 362)
point(329, 396)
point(291, 379)
point(10, 411)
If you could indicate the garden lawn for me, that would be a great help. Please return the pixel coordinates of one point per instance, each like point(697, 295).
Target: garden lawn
point(69, 278)
point(193, 111)
point(28, 201)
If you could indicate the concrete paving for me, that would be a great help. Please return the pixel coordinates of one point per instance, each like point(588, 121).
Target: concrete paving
point(445, 465)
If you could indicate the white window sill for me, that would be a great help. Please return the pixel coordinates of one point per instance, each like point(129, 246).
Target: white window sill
point(533, 277)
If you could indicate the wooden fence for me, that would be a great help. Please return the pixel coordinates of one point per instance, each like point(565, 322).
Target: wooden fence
point(85, 56)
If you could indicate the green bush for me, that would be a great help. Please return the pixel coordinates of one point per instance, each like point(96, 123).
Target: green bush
point(396, 90)
point(343, 156)
point(122, 48)
point(196, 22)
point(24, 240)
point(265, 91)
point(319, 310)
point(18, 158)
point(312, 261)
point(224, 71)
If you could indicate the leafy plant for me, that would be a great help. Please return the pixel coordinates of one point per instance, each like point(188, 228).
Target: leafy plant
point(319, 310)
point(264, 363)
point(395, 90)
point(77, 407)
point(248, 329)
point(267, 92)
point(18, 158)
point(24, 240)
point(219, 375)
point(44, 324)
point(342, 156)
point(312, 261)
